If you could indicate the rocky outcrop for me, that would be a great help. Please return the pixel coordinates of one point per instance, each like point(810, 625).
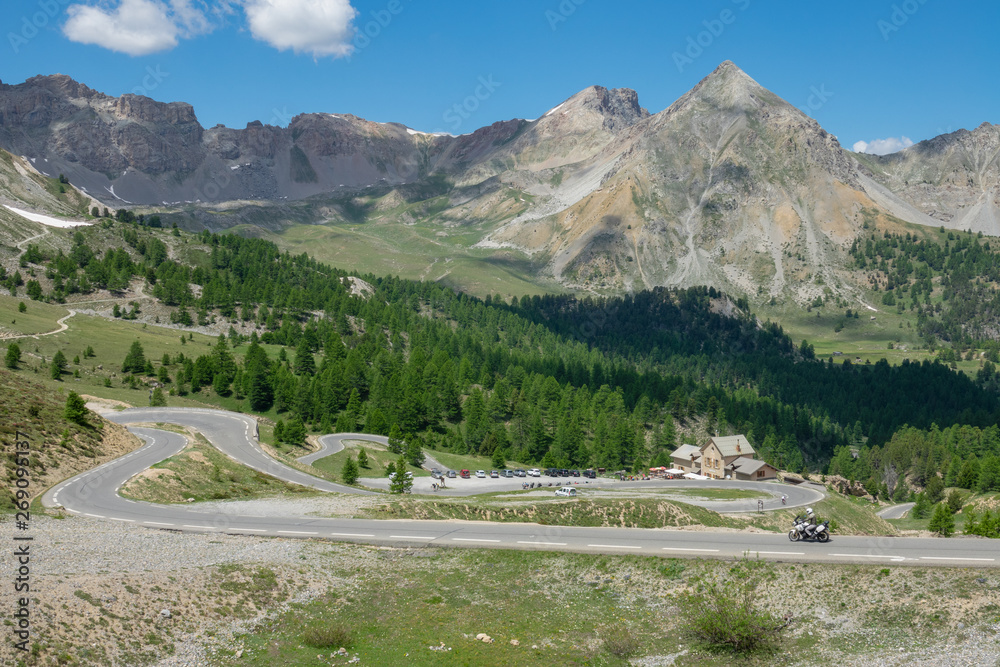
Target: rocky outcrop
point(954, 178)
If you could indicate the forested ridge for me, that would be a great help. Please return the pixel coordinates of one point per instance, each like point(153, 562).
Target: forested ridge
point(549, 380)
point(951, 283)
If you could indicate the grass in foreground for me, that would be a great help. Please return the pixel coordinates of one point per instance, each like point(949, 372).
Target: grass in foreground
point(426, 608)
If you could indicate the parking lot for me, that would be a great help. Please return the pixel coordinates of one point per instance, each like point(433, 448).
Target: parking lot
point(605, 486)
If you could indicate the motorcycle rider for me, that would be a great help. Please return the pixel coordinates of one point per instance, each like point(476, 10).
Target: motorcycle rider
point(811, 522)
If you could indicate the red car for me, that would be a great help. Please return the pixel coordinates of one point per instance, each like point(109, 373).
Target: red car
point(465, 474)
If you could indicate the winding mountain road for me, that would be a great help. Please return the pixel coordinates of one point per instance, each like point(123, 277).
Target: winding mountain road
point(95, 494)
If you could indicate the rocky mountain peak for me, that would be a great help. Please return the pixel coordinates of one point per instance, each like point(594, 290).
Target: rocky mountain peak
point(62, 86)
point(729, 87)
point(619, 106)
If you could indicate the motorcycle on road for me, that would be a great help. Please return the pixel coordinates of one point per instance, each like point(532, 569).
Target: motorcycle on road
point(805, 528)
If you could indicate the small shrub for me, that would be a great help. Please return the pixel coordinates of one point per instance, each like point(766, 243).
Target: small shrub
point(327, 635)
point(619, 641)
point(725, 617)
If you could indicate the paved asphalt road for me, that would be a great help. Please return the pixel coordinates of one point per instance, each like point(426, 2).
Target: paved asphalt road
point(896, 511)
point(95, 494)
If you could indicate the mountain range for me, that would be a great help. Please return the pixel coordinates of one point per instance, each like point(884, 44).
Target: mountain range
point(729, 186)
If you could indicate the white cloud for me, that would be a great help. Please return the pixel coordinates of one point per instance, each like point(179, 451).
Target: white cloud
point(191, 19)
point(140, 27)
point(320, 27)
point(137, 27)
point(883, 146)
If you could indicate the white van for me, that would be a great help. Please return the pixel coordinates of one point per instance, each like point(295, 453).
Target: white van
point(568, 491)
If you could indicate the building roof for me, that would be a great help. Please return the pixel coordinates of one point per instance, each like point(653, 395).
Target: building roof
point(732, 445)
point(685, 452)
point(747, 466)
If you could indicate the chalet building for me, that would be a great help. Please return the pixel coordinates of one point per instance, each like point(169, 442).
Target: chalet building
point(728, 457)
point(750, 470)
point(687, 458)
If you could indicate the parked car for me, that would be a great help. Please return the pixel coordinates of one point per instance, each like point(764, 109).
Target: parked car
point(566, 491)
point(520, 472)
point(590, 473)
point(465, 474)
point(507, 473)
point(481, 474)
point(574, 473)
point(534, 472)
point(451, 474)
point(435, 473)
point(551, 472)
point(563, 472)
point(494, 474)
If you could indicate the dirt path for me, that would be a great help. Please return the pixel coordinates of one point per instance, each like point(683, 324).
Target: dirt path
point(20, 246)
point(62, 327)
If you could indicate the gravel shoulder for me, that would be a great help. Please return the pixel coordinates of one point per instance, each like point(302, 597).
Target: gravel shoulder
point(115, 594)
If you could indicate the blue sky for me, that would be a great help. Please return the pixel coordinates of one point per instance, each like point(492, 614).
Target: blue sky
point(867, 71)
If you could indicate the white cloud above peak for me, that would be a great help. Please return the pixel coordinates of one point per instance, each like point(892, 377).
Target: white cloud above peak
point(321, 28)
point(318, 27)
point(137, 27)
point(883, 146)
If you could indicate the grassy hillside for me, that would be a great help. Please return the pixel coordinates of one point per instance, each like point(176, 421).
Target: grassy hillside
point(60, 448)
point(203, 473)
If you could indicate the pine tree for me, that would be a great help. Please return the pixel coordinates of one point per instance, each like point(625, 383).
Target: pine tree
point(362, 457)
point(54, 371)
point(349, 473)
point(989, 474)
point(354, 406)
point(76, 409)
point(375, 422)
point(414, 451)
point(955, 500)
point(157, 399)
point(921, 507)
point(344, 424)
point(135, 360)
point(305, 364)
point(942, 523)
point(295, 431)
point(13, 357)
point(499, 459)
point(396, 444)
point(401, 482)
point(934, 489)
point(220, 384)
